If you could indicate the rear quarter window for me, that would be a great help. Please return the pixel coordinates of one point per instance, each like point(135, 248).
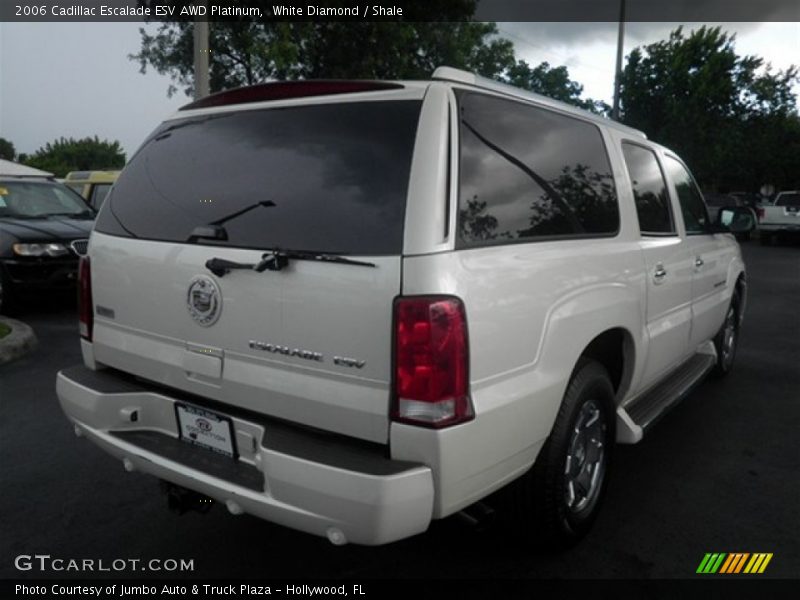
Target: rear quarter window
point(649, 190)
point(528, 173)
point(326, 178)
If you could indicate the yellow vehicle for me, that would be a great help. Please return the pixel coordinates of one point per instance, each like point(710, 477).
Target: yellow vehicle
point(92, 185)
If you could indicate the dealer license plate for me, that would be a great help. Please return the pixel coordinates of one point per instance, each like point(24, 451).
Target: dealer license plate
point(206, 429)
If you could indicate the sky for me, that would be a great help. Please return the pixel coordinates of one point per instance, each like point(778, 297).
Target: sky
point(76, 80)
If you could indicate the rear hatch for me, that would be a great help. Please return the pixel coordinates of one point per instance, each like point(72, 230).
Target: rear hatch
point(307, 340)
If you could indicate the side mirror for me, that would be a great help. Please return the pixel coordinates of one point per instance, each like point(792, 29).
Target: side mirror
point(735, 219)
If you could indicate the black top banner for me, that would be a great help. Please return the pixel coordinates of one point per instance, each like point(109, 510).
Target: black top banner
point(401, 10)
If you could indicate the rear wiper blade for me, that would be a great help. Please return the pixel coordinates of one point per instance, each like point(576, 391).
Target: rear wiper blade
point(278, 255)
point(215, 230)
point(277, 259)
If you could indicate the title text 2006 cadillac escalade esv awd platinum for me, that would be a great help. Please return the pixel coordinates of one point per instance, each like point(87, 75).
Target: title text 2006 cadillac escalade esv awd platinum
point(353, 307)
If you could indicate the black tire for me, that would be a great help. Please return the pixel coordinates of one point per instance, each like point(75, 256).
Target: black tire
point(727, 339)
point(538, 505)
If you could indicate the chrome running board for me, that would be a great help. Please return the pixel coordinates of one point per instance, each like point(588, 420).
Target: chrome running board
point(645, 411)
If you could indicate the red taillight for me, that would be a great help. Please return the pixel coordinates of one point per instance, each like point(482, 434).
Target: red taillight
point(431, 360)
point(760, 212)
point(85, 306)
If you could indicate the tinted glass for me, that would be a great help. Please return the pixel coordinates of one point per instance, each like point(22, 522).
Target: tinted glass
point(649, 190)
point(38, 200)
point(720, 200)
point(526, 173)
point(693, 209)
point(747, 198)
point(327, 178)
point(99, 193)
point(788, 200)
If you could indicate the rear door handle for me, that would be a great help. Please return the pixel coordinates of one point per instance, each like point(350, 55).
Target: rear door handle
point(698, 262)
point(660, 273)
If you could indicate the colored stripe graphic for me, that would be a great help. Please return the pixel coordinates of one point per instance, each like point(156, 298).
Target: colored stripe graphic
point(741, 562)
point(765, 563)
point(758, 563)
point(733, 563)
point(737, 565)
point(703, 563)
point(718, 562)
point(711, 562)
point(730, 564)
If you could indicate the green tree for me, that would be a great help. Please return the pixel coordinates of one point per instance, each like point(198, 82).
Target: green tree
point(247, 52)
point(553, 82)
point(65, 155)
point(727, 115)
point(7, 150)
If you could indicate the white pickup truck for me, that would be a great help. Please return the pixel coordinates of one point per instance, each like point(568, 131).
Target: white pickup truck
point(779, 219)
point(352, 307)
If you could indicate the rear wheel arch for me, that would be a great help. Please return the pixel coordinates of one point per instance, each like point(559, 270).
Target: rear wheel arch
point(555, 502)
point(615, 350)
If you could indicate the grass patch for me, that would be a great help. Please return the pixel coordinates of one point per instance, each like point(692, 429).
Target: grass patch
point(4, 330)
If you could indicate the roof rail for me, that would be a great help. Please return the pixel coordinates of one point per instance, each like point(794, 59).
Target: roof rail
point(451, 74)
point(472, 79)
point(280, 90)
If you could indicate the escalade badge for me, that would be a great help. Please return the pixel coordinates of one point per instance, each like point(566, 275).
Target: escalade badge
point(204, 300)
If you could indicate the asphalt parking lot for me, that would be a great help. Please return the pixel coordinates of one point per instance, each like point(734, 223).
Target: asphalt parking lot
point(720, 473)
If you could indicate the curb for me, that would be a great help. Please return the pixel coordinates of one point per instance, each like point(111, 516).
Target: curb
point(19, 342)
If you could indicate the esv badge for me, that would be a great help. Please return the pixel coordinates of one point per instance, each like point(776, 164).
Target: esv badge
point(204, 300)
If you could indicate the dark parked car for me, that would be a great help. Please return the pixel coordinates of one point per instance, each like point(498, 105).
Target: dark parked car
point(750, 199)
point(43, 227)
point(714, 202)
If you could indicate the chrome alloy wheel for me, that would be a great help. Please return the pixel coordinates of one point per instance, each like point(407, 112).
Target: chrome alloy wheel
point(729, 338)
point(586, 458)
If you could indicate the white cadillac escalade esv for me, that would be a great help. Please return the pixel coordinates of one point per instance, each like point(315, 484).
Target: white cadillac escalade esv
point(353, 307)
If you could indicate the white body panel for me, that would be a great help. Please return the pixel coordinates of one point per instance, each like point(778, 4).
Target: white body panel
point(308, 306)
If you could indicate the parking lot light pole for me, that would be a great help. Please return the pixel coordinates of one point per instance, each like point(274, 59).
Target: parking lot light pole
point(618, 69)
point(201, 51)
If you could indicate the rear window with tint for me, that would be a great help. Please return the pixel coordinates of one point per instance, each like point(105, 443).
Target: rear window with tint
point(326, 178)
point(788, 200)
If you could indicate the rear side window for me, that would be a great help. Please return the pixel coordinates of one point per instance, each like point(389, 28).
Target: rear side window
point(649, 190)
point(528, 173)
point(693, 209)
point(326, 178)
